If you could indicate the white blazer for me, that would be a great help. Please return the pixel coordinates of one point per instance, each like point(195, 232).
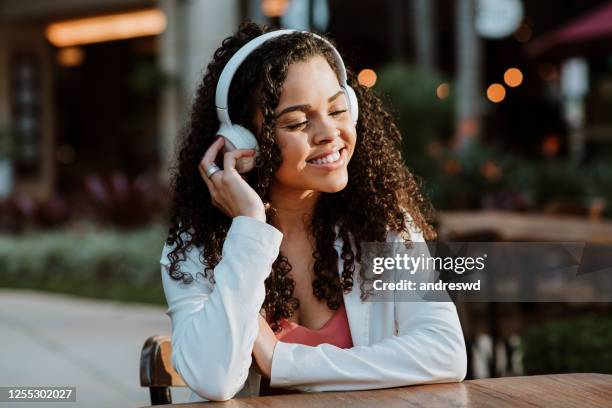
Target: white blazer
point(213, 331)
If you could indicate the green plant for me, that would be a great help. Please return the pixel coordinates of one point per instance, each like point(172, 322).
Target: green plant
point(410, 95)
point(580, 345)
point(560, 179)
point(86, 260)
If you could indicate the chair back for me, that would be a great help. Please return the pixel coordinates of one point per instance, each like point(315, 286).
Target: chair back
point(156, 371)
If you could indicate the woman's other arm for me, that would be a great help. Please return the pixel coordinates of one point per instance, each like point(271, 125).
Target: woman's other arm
point(429, 348)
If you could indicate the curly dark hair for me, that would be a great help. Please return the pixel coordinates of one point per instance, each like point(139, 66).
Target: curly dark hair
point(380, 195)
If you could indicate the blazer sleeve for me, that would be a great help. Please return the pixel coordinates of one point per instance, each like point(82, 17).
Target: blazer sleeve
point(429, 348)
point(214, 328)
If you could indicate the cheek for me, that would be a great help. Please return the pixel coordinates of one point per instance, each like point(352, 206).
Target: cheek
point(351, 140)
point(293, 152)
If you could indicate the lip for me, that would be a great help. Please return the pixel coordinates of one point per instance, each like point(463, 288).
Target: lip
point(331, 166)
point(318, 156)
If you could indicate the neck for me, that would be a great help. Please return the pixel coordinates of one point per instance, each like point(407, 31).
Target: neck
point(294, 209)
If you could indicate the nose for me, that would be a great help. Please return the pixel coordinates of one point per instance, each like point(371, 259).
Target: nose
point(325, 131)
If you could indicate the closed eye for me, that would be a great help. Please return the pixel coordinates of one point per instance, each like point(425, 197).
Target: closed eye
point(302, 125)
point(297, 126)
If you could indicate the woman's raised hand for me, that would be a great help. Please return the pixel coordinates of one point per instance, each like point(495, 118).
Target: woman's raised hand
point(229, 191)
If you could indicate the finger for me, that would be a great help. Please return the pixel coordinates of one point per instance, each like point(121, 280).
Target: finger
point(212, 152)
point(209, 184)
point(230, 158)
point(209, 159)
point(212, 182)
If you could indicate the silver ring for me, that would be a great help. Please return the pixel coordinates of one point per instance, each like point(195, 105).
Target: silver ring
point(212, 169)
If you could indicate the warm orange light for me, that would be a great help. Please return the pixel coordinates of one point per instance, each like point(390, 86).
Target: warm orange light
point(70, 57)
point(106, 28)
point(468, 127)
point(513, 77)
point(551, 145)
point(496, 93)
point(452, 167)
point(491, 171)
point(443, 90)
point(596, 209)
point(367, 77)
point(274, 8)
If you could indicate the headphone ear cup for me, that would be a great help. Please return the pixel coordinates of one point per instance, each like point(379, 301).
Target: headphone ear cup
point(238, 137)
point(247, 139)
point(352, 100)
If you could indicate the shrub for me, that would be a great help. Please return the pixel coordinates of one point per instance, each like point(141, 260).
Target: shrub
point(86, 260)
point(580, 345)
point(123, 202)
point(410, 94)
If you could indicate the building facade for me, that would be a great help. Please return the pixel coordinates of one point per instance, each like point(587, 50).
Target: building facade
point(101, 104)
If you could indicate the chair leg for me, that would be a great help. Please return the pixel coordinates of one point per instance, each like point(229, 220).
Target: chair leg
point(160, 395)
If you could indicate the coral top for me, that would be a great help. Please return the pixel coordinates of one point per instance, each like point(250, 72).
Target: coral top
point(336, 332)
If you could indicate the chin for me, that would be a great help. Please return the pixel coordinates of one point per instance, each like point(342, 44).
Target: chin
point(332, 186)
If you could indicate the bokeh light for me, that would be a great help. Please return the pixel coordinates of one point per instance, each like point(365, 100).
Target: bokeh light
point(452, 167)
point(468, 127)
point(596, 209)
point(443, 90)
point(70, 57)
point(513, 77)
point(551, 145)
point(274, 8)
point(491, 171)
point(496, 93)
point(367, 77)
point(106, 28)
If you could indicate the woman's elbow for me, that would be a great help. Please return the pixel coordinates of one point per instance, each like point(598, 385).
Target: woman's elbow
point(451, 356)
point(206, 380)
point(215, 392)
point(459, 367)
point(457, 360)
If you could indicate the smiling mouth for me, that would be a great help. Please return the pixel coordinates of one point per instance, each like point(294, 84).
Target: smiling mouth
point(330, 158)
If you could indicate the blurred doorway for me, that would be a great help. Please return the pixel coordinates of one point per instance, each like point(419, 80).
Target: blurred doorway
point(106, 99)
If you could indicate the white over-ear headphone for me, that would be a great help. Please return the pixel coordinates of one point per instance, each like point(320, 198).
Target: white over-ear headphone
point(238, 136)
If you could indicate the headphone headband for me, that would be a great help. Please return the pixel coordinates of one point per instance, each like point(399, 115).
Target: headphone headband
point(223, 86)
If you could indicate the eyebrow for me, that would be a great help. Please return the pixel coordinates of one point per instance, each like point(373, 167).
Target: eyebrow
point(306, 107)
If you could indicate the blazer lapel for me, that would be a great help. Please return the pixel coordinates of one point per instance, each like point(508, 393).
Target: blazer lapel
point(357, 311)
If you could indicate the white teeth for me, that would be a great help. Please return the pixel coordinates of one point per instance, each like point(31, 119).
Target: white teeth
point(330, 158)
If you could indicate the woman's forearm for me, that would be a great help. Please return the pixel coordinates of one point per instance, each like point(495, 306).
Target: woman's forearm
point(214, 334)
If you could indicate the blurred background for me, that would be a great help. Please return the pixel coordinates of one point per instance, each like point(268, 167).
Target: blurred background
point(505, 108)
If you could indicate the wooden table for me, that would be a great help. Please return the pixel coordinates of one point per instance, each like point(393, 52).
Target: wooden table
point(561, 390)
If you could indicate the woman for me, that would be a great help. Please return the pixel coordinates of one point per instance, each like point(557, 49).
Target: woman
point(261, 270)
